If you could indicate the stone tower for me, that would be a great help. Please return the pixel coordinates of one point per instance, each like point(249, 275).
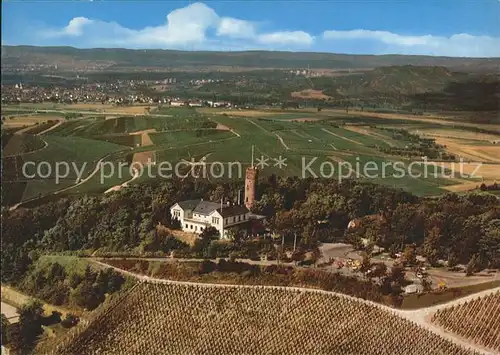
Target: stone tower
point(251, 176)
point(250, 184)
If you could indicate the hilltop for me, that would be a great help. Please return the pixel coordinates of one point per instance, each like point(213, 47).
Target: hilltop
point(120, 59)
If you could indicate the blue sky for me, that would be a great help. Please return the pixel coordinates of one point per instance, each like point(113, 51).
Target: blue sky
point(431, 27)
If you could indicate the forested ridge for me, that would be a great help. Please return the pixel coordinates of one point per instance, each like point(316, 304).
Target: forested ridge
point(459, 229)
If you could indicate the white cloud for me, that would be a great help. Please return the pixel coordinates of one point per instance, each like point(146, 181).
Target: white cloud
point(184, 27)
point(76, 26)
point(235, 28)
point(287, 37)
point(456, 45)
point(198, 27)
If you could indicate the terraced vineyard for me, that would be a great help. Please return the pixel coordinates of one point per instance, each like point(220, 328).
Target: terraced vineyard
point(162, 318)
point(477, 320)
point(17, 144)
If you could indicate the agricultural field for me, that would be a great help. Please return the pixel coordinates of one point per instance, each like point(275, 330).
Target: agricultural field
point(340, 146)
point(477, 320)
point(182, 138)
point(470, 150)
point(80, 152)
point(217, 318)
point(18, 144)
point(95, 106)
point(124, 125)
point(29, 120)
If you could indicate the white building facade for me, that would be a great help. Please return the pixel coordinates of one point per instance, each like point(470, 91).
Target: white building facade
point(196, 215)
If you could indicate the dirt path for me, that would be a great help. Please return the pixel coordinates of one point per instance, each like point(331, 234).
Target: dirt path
point(258, 125)
point(23, 130)
point(10, 312)
point(18, 299)
point(125, 184)
point(339, 136)
point(423, 316)
point(50, 128)
point(282, 141)
point(367, 132)
point(230, 129)
point(419, 317)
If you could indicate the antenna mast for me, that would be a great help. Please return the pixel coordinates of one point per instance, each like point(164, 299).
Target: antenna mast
point(252, 155)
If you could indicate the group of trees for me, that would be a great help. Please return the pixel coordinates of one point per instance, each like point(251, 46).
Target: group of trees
point(22, 336)
point(455, 229)
point(55, 286)
point(304, 211)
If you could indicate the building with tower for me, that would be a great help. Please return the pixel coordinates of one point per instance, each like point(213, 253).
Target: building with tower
point(196, 215)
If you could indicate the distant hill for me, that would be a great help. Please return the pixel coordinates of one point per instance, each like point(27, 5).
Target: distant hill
point(120, 59)
point(404, 80)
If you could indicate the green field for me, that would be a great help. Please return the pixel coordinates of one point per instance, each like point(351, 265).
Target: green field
point(332, 149)
point(39, 175)
point(183, 138)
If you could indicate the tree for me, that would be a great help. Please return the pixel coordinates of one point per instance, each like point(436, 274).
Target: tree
point(5, 330)
point(489, 244)
point(472, 265)
point(432, 245)
point(209, 233)
point(69, 321)
point(426, 284)
point(379, 271)
point(409, 255)
point(29, 328)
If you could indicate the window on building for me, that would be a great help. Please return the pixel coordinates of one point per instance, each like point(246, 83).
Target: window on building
point(187, 226)
point(215, 220)
point(244, 216)
point(195, 228)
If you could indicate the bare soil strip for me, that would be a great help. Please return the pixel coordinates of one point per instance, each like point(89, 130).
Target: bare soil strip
point(248, 113)
point(366, 131)
point(338, 136)
point(145, 138)
point(482, 153)
point(306, 119)
point(459, 134)
point(221, 127)
point(310, 94)
point(125, 184)
point(428, 119)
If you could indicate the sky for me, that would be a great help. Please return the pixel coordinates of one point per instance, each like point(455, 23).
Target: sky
point(458, 28)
